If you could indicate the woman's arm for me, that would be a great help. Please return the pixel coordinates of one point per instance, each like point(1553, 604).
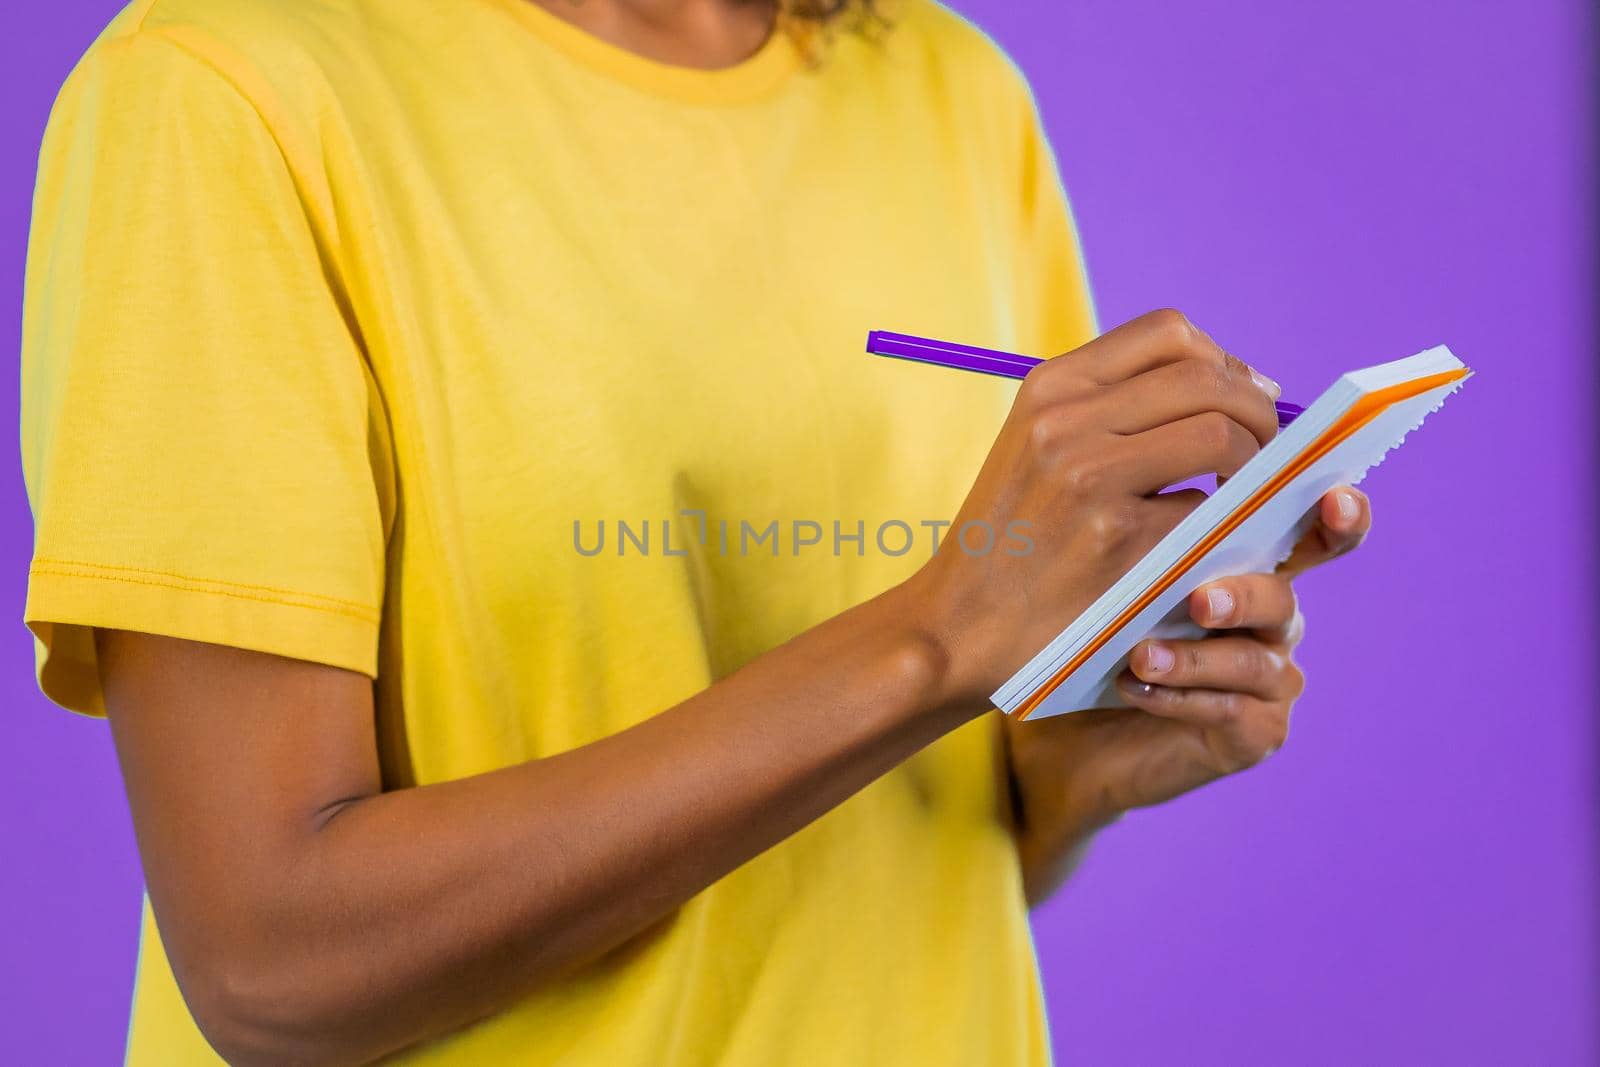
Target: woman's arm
point(310, 917)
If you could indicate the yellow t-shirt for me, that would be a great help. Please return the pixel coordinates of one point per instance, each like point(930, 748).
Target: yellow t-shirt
point(349, 323)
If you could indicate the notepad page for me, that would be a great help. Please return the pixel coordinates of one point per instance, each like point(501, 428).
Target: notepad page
point(1259, 543)
point(1332, 406)
point(1279, 451)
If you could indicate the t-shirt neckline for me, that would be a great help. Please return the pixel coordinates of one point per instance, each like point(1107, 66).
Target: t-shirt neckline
point(747, 80)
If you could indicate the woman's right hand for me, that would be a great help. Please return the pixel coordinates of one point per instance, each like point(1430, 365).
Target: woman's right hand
point(1070, 495)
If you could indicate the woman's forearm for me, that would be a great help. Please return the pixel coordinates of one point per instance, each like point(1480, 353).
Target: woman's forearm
point(396, 916)
point(1058, 813)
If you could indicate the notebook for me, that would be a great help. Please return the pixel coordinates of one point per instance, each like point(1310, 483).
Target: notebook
point(1249, 525)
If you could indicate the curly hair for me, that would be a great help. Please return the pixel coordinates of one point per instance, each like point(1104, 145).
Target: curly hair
point(828, 10)
point(811, 22)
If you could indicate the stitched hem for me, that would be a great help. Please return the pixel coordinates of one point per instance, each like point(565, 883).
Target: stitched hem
point(144, 576)
point(66, 602)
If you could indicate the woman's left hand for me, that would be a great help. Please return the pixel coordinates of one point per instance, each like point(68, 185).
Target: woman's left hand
point(1197, 710)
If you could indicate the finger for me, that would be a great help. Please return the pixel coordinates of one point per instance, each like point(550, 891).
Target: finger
point(1262, 602)
point(1343, 520)
point(1295, 632)
point(1189, 387)
point(1208, 443)
point(1163, 511)
point(1153, 517)
point(1347, 513)
point(1152, 340)
point(1228, 664)
point(1248, 729)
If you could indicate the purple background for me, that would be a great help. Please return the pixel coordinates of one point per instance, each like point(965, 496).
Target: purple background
point(1413, 879)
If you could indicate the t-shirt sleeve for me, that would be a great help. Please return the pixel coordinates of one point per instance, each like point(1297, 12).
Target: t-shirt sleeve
point(1055, 309)
point(200, 436)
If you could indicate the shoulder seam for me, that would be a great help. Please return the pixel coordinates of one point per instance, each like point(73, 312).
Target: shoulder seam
point(138, 25)
point(325, 233)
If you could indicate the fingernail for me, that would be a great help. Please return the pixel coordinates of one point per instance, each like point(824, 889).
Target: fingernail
point(1133, 685)
point(1219, 602)
point(1158, 659)
point(1265, 384)
point(1347, 507)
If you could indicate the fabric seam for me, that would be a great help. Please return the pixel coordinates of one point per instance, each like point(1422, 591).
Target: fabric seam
point(285, 597)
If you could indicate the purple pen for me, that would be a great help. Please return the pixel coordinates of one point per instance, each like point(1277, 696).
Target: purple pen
point(987, 361)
